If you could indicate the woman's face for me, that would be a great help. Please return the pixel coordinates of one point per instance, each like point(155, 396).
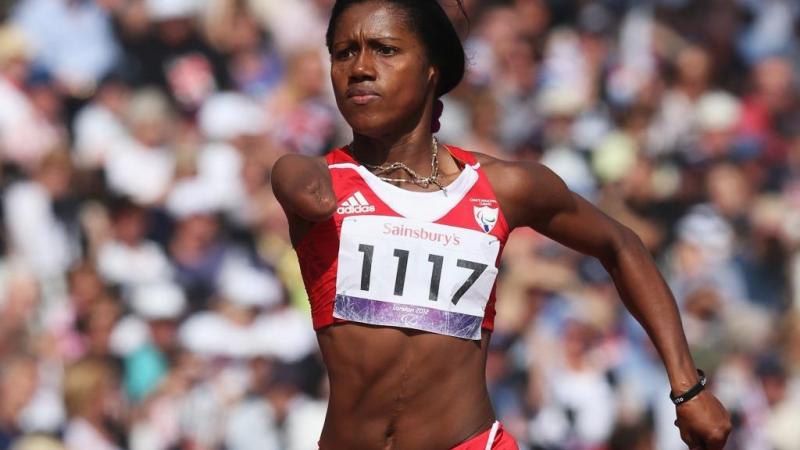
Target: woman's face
point(380, 72)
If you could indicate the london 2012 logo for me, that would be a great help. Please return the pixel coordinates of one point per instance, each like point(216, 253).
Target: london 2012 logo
point(486, 217)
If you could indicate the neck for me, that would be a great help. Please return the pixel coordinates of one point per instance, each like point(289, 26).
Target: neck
point(413, 150)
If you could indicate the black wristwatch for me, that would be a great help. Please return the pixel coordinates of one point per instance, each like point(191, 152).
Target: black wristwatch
point(692, 392)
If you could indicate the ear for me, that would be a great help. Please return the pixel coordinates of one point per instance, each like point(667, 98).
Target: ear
point(433, 75)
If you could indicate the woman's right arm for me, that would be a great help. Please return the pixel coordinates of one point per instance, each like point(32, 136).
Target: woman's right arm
point(303, 187)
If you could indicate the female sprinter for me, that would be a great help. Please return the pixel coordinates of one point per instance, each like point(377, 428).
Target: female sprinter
point(399, 237)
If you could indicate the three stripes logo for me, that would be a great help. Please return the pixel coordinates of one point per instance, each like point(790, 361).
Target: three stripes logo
point(355, 204)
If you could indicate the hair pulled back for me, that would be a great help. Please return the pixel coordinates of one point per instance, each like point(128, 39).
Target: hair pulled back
point(430, 22)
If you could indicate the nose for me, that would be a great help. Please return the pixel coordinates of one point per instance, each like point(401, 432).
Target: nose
point(363, 68)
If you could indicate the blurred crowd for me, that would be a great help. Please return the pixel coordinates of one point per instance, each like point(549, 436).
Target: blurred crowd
point(150, 298)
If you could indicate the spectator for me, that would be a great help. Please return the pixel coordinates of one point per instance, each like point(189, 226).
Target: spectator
point(578, 406)
point(128, 259)
point(143, 167)
point(197, 248)
point(673, 122)
point(101, 123)
point(301, 119)
point(74, 41)
point(157, 308)
point(279, 416)
point(254, 64)
point(174, 56)
point(233, 330)
point(26, 135)
point(770, 106)
point(38, 237)
point(236, 128)
point(92, 401)
point(101, 319)
point(21, 302)
point(65, 321)
point(17, 386)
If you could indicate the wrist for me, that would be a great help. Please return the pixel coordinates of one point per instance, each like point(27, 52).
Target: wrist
point(684, 396)
point(682, 375)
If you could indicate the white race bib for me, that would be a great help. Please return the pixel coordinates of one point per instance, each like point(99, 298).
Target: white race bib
point(408, 273)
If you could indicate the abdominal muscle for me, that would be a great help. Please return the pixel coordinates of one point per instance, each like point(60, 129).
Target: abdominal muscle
point(400, 389)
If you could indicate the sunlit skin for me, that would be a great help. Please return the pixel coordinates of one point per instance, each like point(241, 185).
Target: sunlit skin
point(384, 85)
point(393, 388)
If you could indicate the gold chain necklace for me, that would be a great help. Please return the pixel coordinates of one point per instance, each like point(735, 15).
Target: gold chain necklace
point(415, 177)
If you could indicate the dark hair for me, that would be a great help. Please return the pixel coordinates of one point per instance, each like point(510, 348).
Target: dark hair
point(430, 22)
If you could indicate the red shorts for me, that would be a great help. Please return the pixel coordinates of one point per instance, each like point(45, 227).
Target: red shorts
point(501, 441)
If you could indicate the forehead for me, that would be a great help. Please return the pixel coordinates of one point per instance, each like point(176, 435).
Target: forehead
point(373, 19)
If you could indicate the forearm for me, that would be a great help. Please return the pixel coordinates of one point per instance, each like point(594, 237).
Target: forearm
point(571, 220)
point(648, 298)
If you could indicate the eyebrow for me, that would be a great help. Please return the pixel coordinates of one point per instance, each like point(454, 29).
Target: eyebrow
point(372, 38)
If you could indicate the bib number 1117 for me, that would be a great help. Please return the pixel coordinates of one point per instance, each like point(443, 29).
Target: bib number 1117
point(437, 263)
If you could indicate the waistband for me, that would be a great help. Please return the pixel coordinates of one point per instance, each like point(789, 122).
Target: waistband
point(484, 440)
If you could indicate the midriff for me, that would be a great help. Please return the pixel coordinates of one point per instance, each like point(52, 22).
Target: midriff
point(400, 389)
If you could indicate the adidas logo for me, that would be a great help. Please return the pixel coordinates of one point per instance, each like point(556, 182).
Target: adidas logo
point(356, 204)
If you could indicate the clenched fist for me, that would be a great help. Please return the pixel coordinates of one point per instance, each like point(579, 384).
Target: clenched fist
point(703, 422)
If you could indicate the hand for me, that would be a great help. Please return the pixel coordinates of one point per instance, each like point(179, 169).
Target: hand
point(703, 422)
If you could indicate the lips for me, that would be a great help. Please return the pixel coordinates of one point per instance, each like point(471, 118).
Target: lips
point(361, 95)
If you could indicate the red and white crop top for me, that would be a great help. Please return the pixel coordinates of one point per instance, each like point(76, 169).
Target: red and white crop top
point(393, 257)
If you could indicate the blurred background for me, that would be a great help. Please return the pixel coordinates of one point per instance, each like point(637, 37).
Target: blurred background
point(149, 296)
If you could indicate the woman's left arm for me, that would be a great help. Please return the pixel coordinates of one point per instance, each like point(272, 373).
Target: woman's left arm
point(532, 195)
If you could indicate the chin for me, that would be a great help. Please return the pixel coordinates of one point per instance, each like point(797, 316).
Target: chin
point(369, 126)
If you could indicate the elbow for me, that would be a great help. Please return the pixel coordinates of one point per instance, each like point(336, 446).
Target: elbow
point(623, 243)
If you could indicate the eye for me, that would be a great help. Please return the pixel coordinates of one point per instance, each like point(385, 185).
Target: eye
point(344, 53)
point(386, 50)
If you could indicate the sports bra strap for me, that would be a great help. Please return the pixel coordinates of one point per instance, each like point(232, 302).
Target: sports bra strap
point(461, 156)
point(339, 155)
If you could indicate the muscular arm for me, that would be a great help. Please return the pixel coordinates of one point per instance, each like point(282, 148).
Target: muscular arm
point(569, 219)
point(533, 196)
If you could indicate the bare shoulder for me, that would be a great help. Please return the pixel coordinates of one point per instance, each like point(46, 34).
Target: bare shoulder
point(527, 191)
point(302, 184)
